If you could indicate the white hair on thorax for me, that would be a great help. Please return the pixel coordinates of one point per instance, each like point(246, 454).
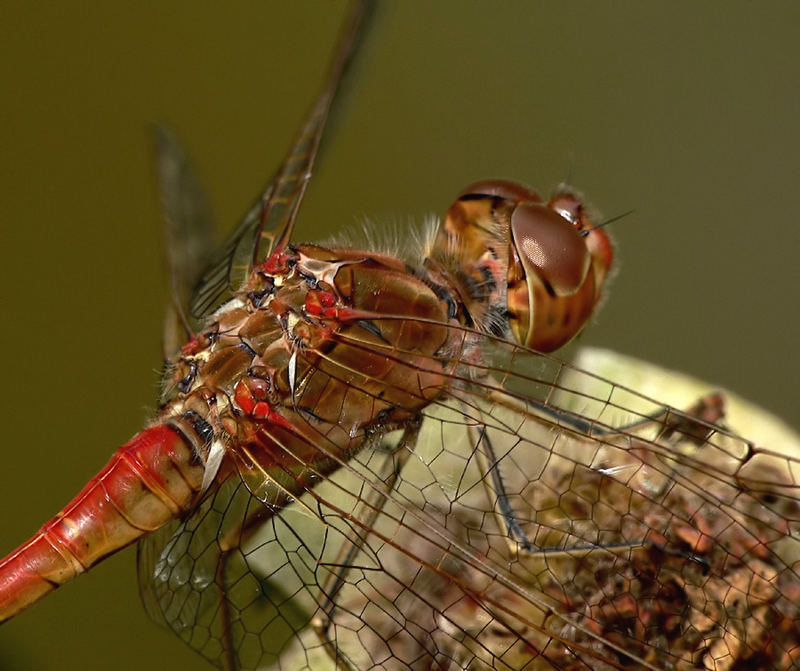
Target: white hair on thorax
point(407, 240)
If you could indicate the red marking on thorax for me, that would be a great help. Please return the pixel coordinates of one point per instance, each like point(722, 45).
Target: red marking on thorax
point(192, 347)
point(323, 304)
point(277, 264)
point(319, 302)
point(250, 404)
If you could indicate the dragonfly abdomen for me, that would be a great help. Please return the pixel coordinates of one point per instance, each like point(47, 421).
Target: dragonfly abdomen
point(154, 478)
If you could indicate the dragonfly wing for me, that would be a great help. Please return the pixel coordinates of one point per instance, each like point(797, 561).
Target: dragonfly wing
point(518, 529)
point(188, 230)
point(267, 226)
point(239, 583)
point(148, 552)
point(589, 526)
point(196, 580)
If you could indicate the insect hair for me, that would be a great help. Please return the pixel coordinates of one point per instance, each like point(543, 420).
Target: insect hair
point(407, 240)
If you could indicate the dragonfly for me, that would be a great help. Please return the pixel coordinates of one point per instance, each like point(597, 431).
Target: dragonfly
point(450, 527)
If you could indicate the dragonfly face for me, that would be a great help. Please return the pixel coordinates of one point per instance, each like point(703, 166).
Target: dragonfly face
point(541, 265)
point(442, 194)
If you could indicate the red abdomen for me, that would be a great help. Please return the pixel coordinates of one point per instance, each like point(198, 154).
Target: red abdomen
point(154, 478)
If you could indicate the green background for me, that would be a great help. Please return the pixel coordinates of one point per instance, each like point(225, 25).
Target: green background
point(686, 112)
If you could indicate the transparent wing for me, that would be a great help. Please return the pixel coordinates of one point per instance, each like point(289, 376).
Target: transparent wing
point(194, 581)
point(524, 520)
point(268, 224)
point(188, 232)
point(532, 516)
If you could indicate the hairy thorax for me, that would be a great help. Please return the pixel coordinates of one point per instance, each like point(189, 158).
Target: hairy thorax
point(320, 350)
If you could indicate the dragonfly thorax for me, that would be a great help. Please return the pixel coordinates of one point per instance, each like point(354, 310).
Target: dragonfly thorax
point(321, 346)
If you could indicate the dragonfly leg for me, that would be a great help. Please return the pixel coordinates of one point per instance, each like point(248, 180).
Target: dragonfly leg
point(694, 422)
point(372, 506)
point(695, 425)
point(517, 536)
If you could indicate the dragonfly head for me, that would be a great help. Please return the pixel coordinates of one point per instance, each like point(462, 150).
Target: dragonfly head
point(548, 257)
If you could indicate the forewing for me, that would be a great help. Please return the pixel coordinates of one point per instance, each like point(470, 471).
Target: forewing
point(596, 529)
point(267, 226)
point(532, 520)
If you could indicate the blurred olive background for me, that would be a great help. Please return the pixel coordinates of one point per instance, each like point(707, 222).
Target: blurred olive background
point(685, 112)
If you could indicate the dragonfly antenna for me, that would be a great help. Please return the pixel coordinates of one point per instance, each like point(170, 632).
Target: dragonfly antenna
point(606, 223)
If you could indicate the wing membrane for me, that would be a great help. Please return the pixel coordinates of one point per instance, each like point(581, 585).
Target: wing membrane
point(188, 231)
point(268, 224)
point(666, 543)
point(532, 516)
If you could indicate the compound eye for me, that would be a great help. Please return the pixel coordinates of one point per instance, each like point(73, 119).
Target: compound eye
point(569, 206)
point(501, 188)
point(550, 248)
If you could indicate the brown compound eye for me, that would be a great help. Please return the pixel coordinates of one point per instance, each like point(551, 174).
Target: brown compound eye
point(549, 248)
point(557, 266)
point(570, 206)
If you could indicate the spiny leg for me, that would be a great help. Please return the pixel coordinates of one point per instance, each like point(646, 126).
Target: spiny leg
point(693, 425)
